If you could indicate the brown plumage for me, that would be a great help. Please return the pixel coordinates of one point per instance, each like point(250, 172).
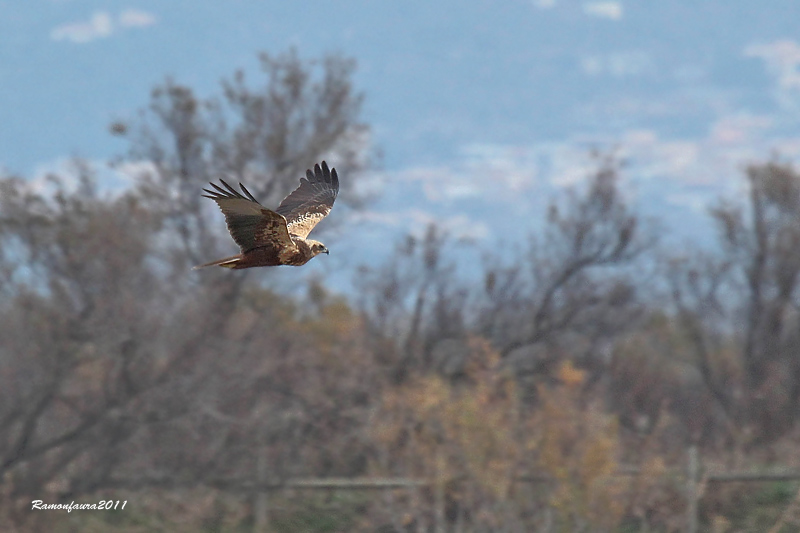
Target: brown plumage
point(271, 238)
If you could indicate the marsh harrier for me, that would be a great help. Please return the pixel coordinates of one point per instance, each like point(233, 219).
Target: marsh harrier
point(271, 238)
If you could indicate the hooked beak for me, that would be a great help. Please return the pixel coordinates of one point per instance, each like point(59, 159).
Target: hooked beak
point(327, 252)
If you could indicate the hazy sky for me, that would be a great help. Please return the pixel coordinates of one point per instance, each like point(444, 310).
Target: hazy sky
point(481, 108)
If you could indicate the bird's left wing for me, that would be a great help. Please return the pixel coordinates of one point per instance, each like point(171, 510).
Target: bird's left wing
point(250, 224)
point(311, 201)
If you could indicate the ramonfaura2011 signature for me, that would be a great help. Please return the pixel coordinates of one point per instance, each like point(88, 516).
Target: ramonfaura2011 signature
point(72, 506)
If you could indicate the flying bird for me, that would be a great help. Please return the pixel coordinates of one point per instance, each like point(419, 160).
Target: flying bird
point(271, 238)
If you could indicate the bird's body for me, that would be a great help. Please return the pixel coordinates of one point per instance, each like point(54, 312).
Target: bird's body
point(272, 238)
point(268, 256)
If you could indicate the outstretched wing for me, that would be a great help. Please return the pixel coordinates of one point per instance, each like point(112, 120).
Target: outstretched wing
point(250, 224)
point(311, 201)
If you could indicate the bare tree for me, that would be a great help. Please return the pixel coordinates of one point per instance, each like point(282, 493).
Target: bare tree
point(414, 302)
point(570, 295)
point(570, 285)
point(740, 306)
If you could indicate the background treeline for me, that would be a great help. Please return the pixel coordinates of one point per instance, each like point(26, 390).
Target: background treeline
point(590, 349)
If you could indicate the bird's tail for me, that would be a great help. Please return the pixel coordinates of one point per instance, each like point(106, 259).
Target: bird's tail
point(228, 262)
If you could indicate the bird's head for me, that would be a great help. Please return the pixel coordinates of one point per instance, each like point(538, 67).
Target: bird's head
point(317, 247)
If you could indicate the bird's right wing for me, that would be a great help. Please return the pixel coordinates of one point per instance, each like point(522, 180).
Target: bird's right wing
point(311, 201)
point(250, 224)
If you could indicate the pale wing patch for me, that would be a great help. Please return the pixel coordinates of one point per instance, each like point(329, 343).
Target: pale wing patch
point(303, 224)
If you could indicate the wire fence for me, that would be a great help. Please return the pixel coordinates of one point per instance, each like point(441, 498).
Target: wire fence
point(696, 481)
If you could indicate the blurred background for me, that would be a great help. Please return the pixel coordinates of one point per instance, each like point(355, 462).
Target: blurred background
point(562, 293)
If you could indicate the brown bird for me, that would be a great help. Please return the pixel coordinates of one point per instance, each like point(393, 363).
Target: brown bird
point(271, 238)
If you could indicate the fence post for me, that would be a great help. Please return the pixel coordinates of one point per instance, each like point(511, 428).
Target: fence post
point(261, 510)
point(438, 495)
point(692, 471)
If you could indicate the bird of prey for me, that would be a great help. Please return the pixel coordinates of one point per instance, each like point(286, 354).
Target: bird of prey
point(271, 238)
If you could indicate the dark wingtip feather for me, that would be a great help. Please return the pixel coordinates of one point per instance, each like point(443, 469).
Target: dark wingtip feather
point(231, 189)
point(244, 189)
point(219, 190)
point(219, 193)
point(335, 179)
